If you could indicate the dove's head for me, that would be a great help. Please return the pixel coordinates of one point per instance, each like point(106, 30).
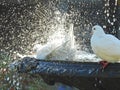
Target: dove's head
point(98, 30)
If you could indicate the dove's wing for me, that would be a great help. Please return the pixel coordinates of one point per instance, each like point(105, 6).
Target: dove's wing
point(47, 49)
point(108, 45)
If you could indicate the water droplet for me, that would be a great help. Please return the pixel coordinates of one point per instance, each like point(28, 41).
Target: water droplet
point(100, 81)
point(108, 20)
point(108, 14)
point(104, 26)
point(13, 76)
point(116, 2)
point(14, 81)
point(8, 79)
point(95, 85)
point(105, 11)
point(113, 15)
point(18, 84)
point(97, 13)
point(112, 23)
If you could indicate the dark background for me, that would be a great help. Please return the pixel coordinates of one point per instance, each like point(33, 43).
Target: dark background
point(19, 20)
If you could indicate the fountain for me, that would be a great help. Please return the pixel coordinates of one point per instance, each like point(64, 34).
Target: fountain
point(26, 23)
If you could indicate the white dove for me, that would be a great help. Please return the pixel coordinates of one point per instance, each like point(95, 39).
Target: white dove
point(42, 51)
point(60, 48)
point(106, 46)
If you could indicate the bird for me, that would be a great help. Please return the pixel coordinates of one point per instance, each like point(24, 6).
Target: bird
point(60, 47)
point(105, 46)
point(43, 51)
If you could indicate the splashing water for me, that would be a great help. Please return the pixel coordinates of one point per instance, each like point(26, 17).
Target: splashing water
point(61, 44)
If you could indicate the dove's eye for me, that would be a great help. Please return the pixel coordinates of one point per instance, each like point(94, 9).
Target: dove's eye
point(94, 29)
